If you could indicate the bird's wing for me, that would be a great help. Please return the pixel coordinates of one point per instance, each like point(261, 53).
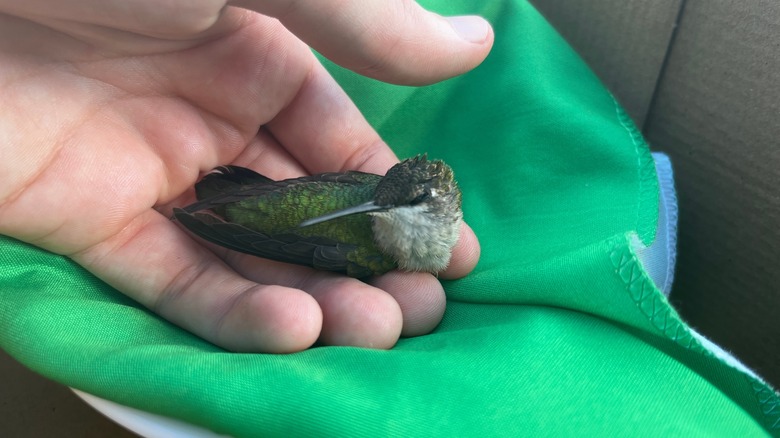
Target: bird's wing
point(317, 252)
point(229, 184)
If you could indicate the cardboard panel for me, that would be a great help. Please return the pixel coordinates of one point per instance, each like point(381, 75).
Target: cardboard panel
point(717, 113)
point(623, 41)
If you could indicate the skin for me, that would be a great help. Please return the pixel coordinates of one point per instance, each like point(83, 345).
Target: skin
point(111, 110)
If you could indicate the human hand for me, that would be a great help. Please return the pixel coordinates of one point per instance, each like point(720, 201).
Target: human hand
point(111, 111)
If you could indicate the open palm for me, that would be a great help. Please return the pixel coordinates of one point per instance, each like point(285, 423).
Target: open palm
point(112, 110)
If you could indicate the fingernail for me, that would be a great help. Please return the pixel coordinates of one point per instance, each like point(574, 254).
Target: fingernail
point(471, 28)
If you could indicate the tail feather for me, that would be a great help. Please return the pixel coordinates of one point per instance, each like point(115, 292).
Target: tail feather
point(225, 179)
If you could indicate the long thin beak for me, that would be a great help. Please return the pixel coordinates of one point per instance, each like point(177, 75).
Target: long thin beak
point(361, 208)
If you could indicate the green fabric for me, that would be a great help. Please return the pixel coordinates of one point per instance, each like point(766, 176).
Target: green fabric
point(558, 330)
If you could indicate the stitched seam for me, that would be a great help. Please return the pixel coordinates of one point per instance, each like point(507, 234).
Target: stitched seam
point(769, 403)
point(659, 313)
point(646, 175)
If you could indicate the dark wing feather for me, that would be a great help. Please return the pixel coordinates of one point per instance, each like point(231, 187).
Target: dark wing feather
point(237, 175)
point(228, 184)
point(316, 252)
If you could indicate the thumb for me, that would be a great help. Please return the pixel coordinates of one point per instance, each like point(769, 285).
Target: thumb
point(394, 41)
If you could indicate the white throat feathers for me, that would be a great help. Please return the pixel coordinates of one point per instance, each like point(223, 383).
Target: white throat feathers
point(417, 238)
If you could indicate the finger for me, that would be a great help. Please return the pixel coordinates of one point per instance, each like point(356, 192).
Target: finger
point(420, 297)
point(158, 265)
point(465, 255)
point(394, 41)
point(354, 313)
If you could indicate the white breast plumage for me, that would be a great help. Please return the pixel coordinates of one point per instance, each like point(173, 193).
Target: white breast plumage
point(416, 238)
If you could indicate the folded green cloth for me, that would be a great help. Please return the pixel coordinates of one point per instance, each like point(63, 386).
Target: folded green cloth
point(559, 330)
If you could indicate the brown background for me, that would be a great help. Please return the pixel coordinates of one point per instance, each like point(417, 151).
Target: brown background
point(702, 78)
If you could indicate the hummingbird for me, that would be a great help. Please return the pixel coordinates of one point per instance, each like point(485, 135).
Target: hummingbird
point(356, 223)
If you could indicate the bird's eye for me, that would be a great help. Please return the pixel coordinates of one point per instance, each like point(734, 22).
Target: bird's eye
point(422, 197)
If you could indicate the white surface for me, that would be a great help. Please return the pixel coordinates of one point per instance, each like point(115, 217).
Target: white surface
point(143, 423)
